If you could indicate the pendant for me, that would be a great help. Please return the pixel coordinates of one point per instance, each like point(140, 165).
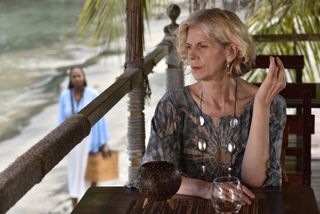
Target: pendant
point(234, 122)
point(202, 145)
point(201, 120)
point(231, 147)
point(222, 156)
point(229, 171)
point(203, 169)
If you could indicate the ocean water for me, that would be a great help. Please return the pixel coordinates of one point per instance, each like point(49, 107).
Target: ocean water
point(36, 38)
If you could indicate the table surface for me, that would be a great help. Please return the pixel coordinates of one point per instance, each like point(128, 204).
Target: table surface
point(268, 200)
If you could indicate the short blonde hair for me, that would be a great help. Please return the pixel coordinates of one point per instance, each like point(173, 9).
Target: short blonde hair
point(225, 27)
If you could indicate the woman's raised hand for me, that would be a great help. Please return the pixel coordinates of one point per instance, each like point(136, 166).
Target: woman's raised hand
point(273, 83)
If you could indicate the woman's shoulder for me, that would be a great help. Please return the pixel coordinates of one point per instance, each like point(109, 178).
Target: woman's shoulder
point(176, 95)
point(91, 91)
point(65, 93)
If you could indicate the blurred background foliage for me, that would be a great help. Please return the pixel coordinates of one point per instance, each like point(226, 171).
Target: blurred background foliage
point(288, 17)
point(104, 21)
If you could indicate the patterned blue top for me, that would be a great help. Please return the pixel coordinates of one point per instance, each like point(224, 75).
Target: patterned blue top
point(99, 132)
point(175, 132)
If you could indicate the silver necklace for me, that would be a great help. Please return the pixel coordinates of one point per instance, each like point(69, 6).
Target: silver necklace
point(221, 151)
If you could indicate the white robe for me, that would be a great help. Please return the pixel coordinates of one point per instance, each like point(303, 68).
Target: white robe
point(77, 162)
point(78, 157)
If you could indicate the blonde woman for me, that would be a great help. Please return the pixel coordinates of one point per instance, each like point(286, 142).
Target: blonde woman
point(221, 124)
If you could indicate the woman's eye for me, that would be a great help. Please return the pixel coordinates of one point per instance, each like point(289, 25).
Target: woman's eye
point(188, 47)
point(203, 46)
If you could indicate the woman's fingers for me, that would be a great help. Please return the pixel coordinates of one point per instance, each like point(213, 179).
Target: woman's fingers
point(274, 82)
point(247, 195)
point(246, 199)
point(106, 152)
point(247, 192)
point(273, 69)
point(231, 193)
point(281, 75)
point(276, 70)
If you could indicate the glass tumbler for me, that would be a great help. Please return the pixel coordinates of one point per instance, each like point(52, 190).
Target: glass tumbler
point(226, 194)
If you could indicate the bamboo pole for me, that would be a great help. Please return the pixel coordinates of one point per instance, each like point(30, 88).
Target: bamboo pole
point(134, 59)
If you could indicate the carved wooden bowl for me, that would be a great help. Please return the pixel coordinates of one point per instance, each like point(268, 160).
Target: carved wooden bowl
point(158, 181)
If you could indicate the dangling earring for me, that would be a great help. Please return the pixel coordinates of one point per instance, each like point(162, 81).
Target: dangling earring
point(228, 69)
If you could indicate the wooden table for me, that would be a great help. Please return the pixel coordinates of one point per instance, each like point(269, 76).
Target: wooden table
point(123, 200)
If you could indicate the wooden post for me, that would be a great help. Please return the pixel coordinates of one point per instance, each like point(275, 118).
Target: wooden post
point(175, 75)
point(194, 6)
point(134, 59)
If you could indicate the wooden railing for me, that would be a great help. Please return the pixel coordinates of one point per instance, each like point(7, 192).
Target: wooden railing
point(125, 83)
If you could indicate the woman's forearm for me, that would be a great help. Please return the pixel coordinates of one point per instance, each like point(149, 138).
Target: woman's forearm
point(195, 187)
point(254, 166)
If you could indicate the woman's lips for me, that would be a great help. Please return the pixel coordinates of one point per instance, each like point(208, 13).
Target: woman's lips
point(196, 68)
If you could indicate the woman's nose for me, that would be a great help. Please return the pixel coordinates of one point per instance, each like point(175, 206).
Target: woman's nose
point(192, 54)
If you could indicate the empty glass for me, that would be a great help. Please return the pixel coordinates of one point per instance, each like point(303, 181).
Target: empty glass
point(226, 194)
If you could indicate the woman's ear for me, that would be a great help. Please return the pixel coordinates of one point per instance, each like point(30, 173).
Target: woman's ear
point(232, 52)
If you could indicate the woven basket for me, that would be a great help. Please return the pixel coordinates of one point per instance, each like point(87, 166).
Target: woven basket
point(102, 169)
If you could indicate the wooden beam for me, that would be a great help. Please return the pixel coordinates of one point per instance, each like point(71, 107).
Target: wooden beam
point(286, 37)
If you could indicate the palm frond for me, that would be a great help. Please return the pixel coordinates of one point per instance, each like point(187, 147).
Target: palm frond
point(104, 20)
point(289, 17)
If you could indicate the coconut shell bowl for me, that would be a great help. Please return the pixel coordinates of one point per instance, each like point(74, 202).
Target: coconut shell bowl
point(158, 181)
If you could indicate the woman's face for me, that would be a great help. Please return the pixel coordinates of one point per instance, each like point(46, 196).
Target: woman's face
point(206, 56)
point(77, 78)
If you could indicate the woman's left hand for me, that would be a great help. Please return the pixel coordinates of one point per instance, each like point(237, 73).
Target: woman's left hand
point(106, 152)
point(273, 83)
